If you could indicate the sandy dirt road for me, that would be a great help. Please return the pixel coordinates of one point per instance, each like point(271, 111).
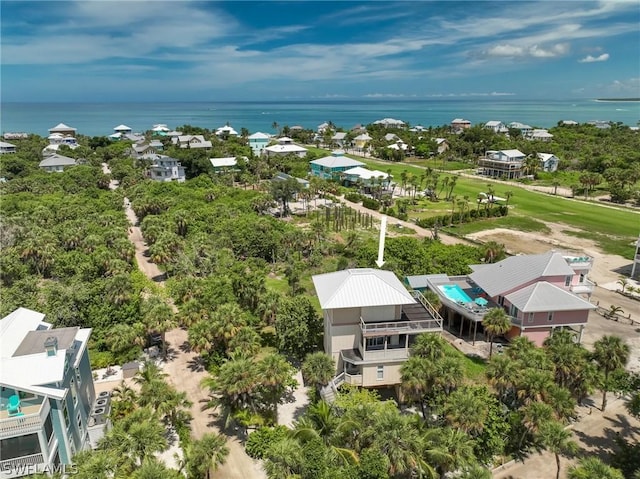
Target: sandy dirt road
point(185, 372)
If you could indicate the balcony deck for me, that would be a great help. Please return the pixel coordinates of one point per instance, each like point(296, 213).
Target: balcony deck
point(31, 420)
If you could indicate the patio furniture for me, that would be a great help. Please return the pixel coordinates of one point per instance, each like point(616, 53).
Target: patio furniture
point(481, 302)
point(13, 408)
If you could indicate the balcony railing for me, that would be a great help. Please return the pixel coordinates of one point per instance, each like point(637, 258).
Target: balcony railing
point(353, 379)
point(21, 466)
point(586, 287)
point(400, 327)
point(27, 423)
point(389, 353)
point(427, 305)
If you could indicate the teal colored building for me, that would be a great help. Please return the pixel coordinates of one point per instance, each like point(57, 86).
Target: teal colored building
point(331, 167)
point(48, 405)
point(258, 142)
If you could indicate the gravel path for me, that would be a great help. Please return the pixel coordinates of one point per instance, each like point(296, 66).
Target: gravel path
point(185, 372)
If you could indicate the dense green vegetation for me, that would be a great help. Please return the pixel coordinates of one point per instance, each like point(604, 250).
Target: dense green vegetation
point(240, 280)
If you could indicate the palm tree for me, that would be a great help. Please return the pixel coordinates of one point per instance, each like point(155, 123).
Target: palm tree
point(318, 369)
point(205, 454)
point(557, 440)
point(466, 410)
point(124, 400)
point(430, 346)
point(276, 379)
point(623, 282)
point(611, 354)
point(508, 195)
point(153, 468)
point(284, 459)
point(493, 251)
point(495, 323)
point(502, 372)
point(159, 318)
point(534, 416)
point(593, 468)
point(458, 447)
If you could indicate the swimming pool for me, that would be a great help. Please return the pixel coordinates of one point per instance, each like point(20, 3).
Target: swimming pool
point(455, 293)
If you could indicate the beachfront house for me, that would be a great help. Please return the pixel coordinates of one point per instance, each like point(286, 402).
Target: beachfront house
point(548, 162)
point(370, 322)
point(505, 164)
point(49, 410)
point(496, 126)
point(525, 130)
point(164, 168)
point(7, 148)
point(285, 146)
point(63, 130)
point(225, 132)
point(160, 129)
point(258, 142)
point(141, 149)
point(390, 123)
point(191, 141)
point(123, 129)
point(460, 124)
point(57, 163)
point(539, 292)
point(56, 140)
point(540, 135)
point(332, 167)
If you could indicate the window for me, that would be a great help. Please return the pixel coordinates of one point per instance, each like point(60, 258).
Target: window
point(74, 392)
point(48, 428)
point(79, 421)
point(501, 300)
point(78, 376)
point(530, 318)
point(375, 343)
point(66, 416)
point(19, 446)
point(380, 372)
point(567, 280)
point(550, 316)
point(581, 278)
point(513, 311)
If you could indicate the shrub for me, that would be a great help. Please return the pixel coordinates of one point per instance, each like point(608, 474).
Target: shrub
point(353, 197)
point(371, 204)
point(259, 440)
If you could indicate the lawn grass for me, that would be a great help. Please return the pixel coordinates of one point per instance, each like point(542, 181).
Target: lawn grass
point(437, 164)
point(474, 366)
point(519, 223)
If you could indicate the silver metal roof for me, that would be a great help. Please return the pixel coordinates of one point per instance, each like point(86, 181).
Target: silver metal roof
point(356, 288)
point(543, 296)
point(337, 162)
point(510, 273)
point(57, 160)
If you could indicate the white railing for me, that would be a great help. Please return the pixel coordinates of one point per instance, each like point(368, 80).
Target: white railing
point(400, 327)
point(21, 466)
point(389, 353)
point(26, 424)
point(585, 287)
point(428, 306)
point(353, 379)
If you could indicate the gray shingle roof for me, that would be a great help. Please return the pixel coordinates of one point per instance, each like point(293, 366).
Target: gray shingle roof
point(356, 288)
point(543, 296)
point(337, 162)
point(506, 275)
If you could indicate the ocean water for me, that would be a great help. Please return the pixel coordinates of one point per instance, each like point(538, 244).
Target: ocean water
point(95, 119)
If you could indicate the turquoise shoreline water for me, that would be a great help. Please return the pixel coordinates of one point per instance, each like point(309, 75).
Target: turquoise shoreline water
point(100, 118)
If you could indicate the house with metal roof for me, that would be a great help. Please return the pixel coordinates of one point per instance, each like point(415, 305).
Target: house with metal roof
point(191, 141)
point(7, 148)
point(548, 162)
point(496, 126)
point(361, 142)
point(505, 164)
point(331, 167)
point(63, 130)
point(285, 146)
point(365, 177)
point(57, 163)
point(164, 168)
point(258, 142)
point(460, 124)
point(540, 135)
point(539, 292)
point(339, 138)
point(370, 322)
point(49, 406)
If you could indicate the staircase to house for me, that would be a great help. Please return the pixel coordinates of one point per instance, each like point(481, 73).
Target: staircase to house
point(330, 391)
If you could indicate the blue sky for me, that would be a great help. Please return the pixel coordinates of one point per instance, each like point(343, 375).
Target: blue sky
point(189, 51)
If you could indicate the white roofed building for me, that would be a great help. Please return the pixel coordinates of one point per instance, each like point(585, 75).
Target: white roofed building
point(49, 405)
point(459, 124)
point(7, 148)
point(286, 146)
point(258, 141)
point(540, 135)
point(332, 167)
point(506, 164)
point(57, 163)
point(225, 132)
point(191, 141)
point(390, 123)
point(164, 168)
point(370, 323)
point(63, 129)
point(548, 162)
point(496, 126)
point(367, 177)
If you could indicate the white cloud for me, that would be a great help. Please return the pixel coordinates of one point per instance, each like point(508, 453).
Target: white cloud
point(533, 51)
point(591, 59)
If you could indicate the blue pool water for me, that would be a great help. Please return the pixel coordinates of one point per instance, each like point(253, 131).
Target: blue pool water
point(455, 293)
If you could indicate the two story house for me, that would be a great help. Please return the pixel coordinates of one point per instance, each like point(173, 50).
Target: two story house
point(57, 163)
point(502, 164)
point(539, 292)
point(48, 401)
point(258, 142)
point(370, 323)
point(331, 167)
point(164, 168)
point(548, 162)
point(285, 146)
